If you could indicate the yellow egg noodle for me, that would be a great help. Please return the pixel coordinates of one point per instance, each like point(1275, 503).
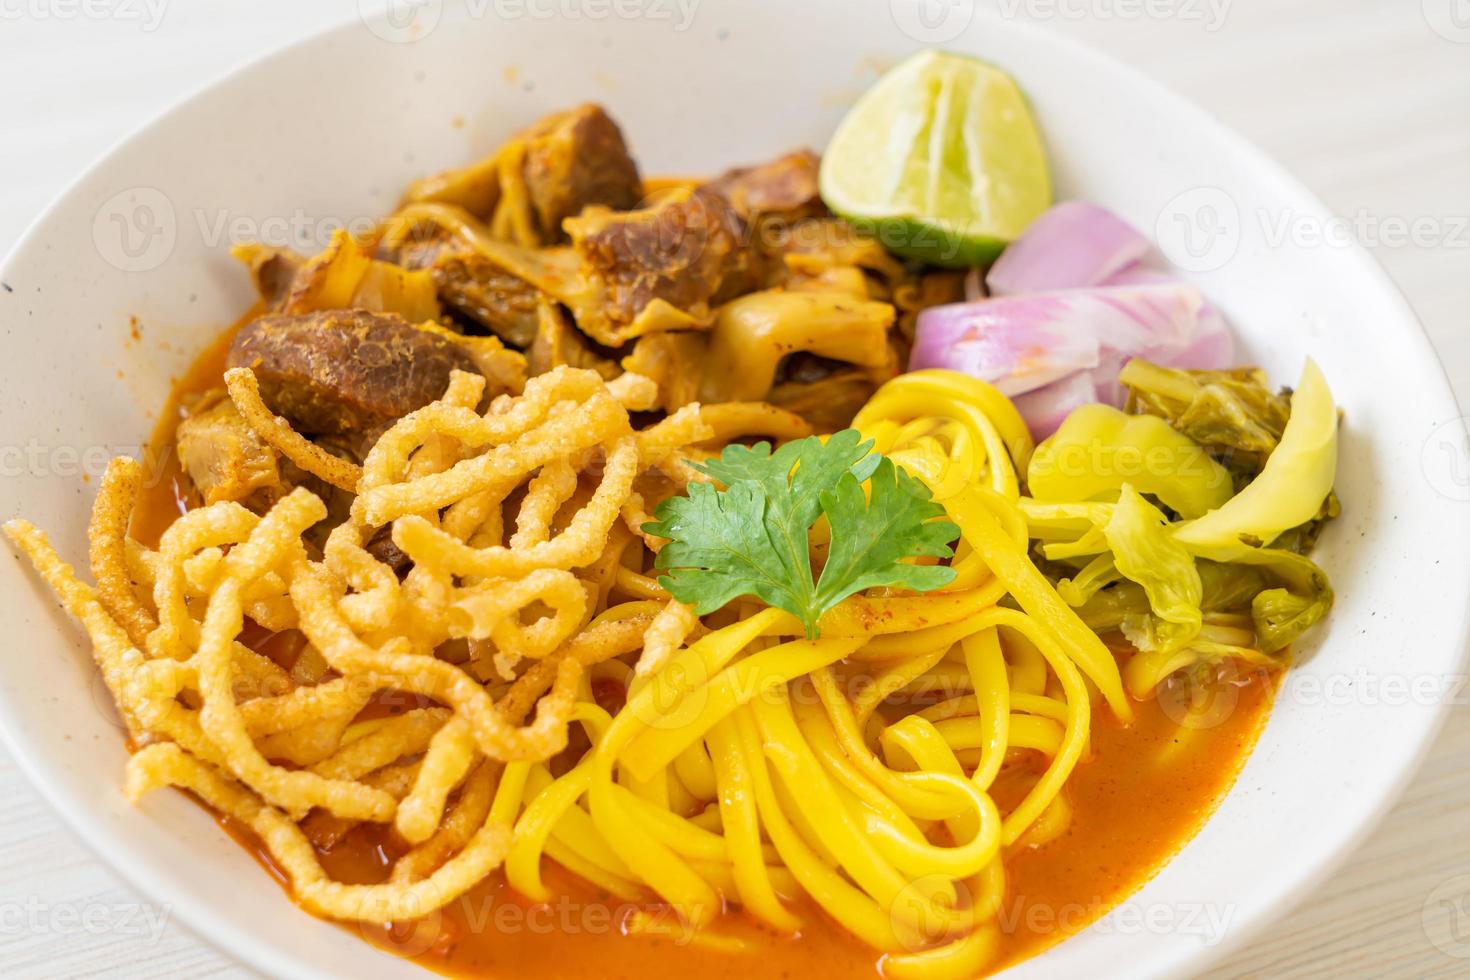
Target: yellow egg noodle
point(748, 765)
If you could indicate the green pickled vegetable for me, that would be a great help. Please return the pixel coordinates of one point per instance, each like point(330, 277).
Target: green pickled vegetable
point(1145, 552)
point(1291, 487)
point(1232, 413)
point(1301, 596)
point(1099, 449)
point(1249, 475)
point(1224, 587)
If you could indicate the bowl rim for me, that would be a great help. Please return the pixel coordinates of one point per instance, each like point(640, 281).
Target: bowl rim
point(246, 947)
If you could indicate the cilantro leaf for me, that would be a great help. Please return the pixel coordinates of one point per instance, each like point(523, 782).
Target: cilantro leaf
point(871, 536)
point(722, 548)
point(795, 474)
point(751, 538)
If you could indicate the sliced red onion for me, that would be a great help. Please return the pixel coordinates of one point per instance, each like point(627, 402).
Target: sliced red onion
point(1104, 378)
point(1072, 245)
point(1070, 304)
point(1213, 346)
point(1017, 344)
point(1211, 349)
point(1169, 328)
point(1020, 343)
point(1139, 275)
point(1148, 321)
point(975, 285)
point(1046, 408)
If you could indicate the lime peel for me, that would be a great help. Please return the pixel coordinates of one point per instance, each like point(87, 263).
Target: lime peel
point(940, 160)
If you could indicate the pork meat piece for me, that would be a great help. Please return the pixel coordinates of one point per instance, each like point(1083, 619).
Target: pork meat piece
point(785, 188)
point(684, 251)
point(223, 457)
point(344, 372)
point(481, 291)
point(575, 159)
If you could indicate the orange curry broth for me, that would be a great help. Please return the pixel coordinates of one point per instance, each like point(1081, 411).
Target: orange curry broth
point(166, 493)
point(1139, 795)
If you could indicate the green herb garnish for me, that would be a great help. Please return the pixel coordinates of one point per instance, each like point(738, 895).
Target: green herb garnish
point(751, 537)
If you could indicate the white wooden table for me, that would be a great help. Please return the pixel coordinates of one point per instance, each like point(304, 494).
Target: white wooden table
point(1368, 101)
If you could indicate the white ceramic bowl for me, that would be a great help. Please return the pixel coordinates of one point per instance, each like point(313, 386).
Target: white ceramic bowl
point(331, 129)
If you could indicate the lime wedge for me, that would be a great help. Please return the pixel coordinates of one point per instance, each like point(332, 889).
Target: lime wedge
point(941, 159)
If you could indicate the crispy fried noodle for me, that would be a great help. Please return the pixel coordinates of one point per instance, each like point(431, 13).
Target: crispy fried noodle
point(746, 763)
